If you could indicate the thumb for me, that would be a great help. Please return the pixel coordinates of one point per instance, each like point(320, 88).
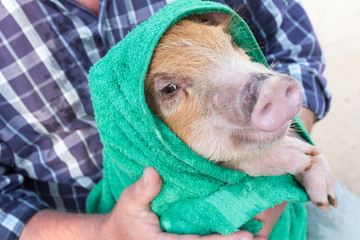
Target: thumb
point(138, 196)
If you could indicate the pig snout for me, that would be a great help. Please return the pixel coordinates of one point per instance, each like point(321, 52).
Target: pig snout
point(265, 101)
point(278, 101)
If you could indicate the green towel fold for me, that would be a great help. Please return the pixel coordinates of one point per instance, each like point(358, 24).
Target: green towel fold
point(198, 196)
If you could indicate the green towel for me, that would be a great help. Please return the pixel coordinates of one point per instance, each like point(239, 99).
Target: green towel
point(198, 196)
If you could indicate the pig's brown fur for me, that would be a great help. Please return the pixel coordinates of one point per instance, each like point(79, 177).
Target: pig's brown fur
point(209, 41)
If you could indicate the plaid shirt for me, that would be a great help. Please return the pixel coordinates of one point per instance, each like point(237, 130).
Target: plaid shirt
point(50, 150)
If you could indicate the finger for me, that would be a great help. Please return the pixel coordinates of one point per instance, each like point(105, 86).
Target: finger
point(240, 235)
point(269, 218)
point(138, 196)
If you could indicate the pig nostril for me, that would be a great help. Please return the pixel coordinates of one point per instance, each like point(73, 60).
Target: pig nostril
point(289, 92)
point(266, 109)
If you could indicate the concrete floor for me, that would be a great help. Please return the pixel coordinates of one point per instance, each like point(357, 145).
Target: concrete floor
point(337, 26)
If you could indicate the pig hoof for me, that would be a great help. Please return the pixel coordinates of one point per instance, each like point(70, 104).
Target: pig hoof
point(323, 206)
point(313, 151)
point(332, 201)
point(313, 164)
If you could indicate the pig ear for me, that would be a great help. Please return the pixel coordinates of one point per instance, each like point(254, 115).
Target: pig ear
point(213, 18)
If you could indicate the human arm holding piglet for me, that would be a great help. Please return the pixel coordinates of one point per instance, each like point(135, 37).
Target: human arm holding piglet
point(131, 219)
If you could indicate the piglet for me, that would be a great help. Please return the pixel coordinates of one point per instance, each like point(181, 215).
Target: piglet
point(231, 110)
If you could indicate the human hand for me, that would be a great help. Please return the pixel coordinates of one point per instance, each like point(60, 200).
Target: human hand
point(132, 217)
point(269, 218)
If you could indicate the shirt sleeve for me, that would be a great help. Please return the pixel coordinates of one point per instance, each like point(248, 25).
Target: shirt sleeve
point(17, 205)
point(288, 41)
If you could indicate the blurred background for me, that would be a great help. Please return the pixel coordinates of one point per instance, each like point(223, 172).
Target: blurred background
point(337, 25)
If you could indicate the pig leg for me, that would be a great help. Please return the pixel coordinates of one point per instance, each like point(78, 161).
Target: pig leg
point(292, 156)
point(295, 156)
point(319, 185)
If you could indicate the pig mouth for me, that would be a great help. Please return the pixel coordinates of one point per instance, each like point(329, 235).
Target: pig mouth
point(243, 133)
point(251, 135)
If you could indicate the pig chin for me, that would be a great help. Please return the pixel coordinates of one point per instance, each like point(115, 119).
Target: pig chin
point(254, 140)
point(256, 136)
point(243, 132)
point(231, 146)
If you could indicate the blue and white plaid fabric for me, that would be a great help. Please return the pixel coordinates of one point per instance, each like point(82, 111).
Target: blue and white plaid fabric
point(50, 151)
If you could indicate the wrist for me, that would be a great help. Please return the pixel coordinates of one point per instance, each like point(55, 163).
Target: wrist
point(50, 224)
point(307, 117)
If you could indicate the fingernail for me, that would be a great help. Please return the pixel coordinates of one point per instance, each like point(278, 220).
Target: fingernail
point(145, 177)
point(246, 238)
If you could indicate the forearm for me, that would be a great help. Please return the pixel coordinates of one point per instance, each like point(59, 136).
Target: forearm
point(130, 219)
point(51, 224)
point(307, 117)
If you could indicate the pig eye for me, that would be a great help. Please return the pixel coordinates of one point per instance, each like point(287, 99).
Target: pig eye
point(170, 88)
